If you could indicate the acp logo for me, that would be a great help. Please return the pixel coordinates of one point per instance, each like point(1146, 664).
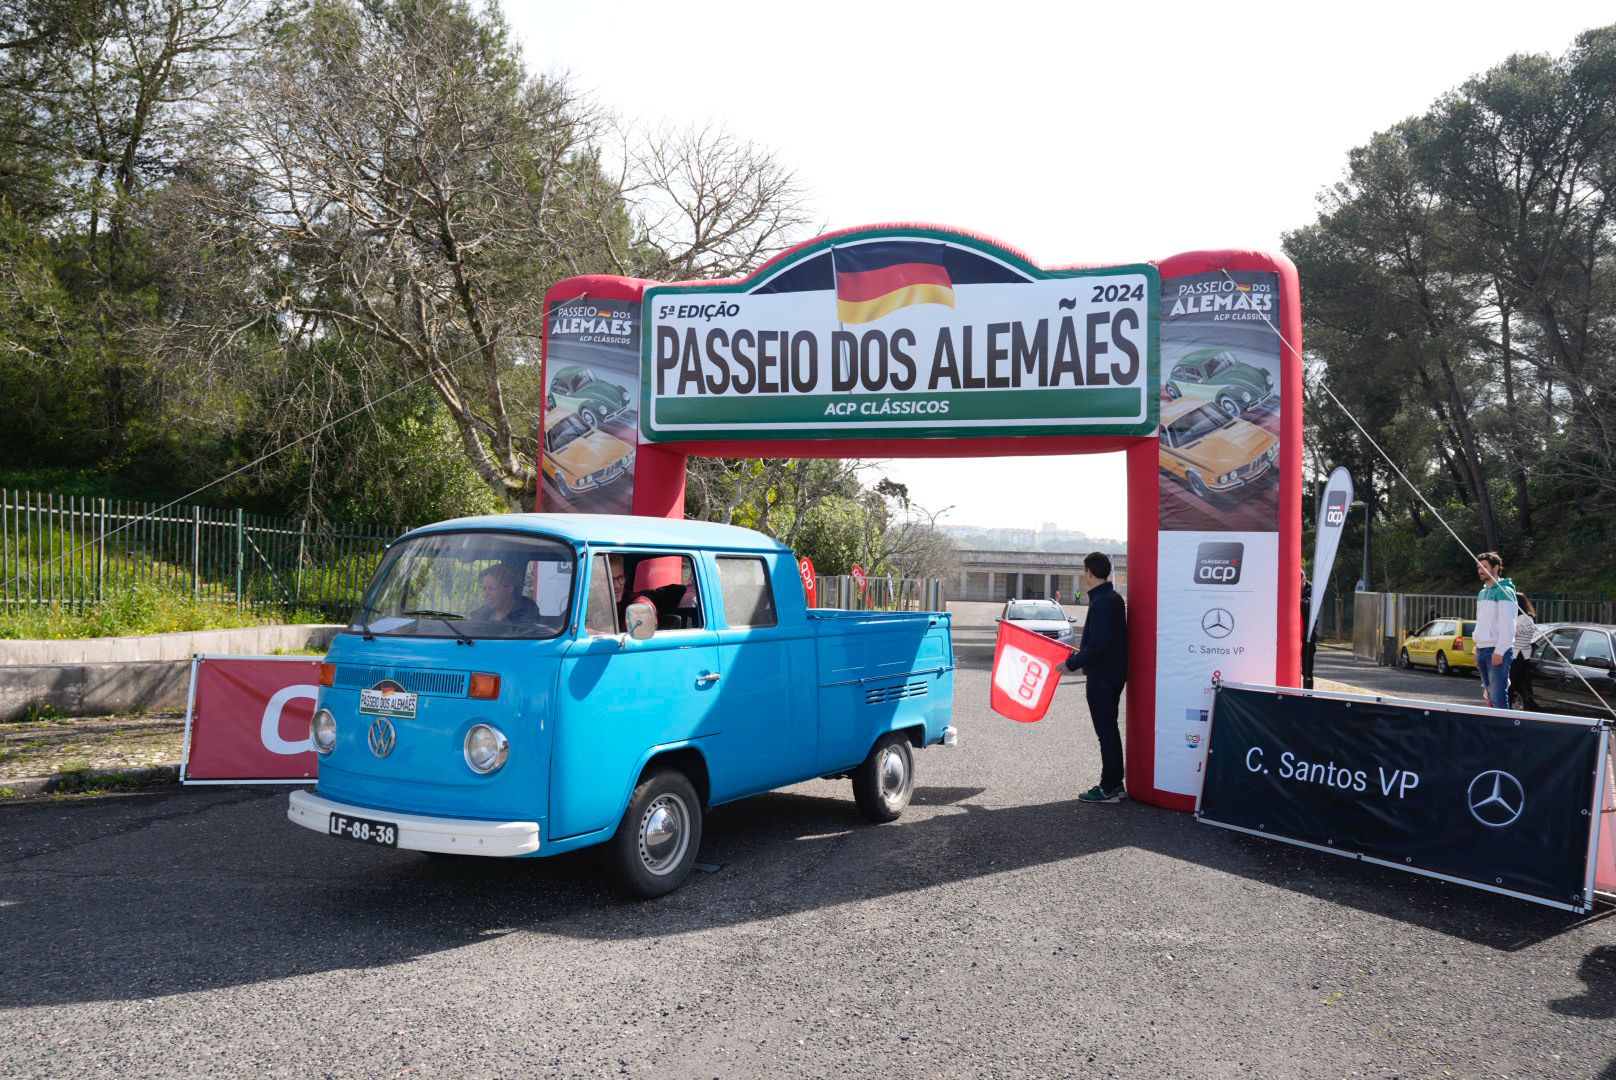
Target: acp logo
point(1335, 511)
point(1218, 562)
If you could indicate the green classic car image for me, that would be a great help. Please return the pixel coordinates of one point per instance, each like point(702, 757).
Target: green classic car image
point(1217, 376)
point(596, 400)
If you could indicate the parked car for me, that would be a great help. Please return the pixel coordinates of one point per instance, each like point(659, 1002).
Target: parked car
point(1446, 644)
point(605, 714)
point(1570, 668)
point(580, 457)
point(1042, 617)
point(597, 400)
point(1211, 451)
point(1219, 377)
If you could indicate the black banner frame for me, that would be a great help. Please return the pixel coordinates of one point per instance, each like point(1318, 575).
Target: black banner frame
point(1596, 802)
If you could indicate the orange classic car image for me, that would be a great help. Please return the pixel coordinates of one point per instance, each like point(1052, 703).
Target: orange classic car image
point(581, 458)
point(1212, 451)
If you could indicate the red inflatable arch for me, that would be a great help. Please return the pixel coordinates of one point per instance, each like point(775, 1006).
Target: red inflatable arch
point(1214, 474)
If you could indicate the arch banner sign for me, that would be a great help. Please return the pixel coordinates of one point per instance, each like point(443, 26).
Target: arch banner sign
point(900, 334)
point(900, 341)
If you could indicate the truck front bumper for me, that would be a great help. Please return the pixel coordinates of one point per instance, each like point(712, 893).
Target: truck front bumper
point(416, 832)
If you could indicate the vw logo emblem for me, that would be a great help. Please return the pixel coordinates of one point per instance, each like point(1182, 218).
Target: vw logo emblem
point(1217, 623)
point(382, 736)
point(1496, 798)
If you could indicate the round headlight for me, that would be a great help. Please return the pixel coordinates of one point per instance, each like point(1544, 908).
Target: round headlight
point(1245, 395)
point(486, 748)
point(323, 731)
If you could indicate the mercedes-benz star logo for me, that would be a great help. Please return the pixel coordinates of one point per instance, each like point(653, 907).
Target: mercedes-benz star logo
point(1496, 798)
point(1217, 623)
point(382, 736)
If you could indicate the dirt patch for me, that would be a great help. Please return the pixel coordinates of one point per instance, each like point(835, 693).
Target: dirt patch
point(48, 747)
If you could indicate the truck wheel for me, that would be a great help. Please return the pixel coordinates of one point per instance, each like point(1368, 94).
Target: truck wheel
point(657, 840)
point(1402, 660)
point(883, 785)
point(1230, 407)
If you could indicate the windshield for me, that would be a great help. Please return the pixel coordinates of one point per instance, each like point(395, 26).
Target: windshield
point(563, 432)
point(470, 584)
point(1036, 611)
point(1203, 421)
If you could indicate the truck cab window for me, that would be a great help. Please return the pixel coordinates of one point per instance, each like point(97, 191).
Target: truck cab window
point(748, 599)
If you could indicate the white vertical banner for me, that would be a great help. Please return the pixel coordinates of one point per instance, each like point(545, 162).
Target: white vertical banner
point(1221, 624)
point(1327, 541)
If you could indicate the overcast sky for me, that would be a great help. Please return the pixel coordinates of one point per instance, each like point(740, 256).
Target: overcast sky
point(1078, 133)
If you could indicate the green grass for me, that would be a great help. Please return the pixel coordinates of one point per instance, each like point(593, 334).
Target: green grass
point(140, 609)
point(8, 793)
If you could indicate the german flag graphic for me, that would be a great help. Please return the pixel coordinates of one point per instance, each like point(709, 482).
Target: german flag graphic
point(877, 279)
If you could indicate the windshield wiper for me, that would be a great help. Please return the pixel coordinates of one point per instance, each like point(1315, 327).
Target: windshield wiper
point(447, 618)
point(364, 623)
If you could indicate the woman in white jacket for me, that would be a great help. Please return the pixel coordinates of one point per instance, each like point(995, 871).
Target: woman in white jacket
point(1525, 635)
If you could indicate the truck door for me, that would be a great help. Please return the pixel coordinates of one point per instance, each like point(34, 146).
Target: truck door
point(620, 698)
point(768, 690)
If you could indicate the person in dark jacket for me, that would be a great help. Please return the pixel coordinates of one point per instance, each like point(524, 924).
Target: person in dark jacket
point(1310, 635)
point(1103, 653)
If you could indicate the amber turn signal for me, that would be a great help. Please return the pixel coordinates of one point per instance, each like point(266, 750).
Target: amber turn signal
point(328, 674)
point(484, 685)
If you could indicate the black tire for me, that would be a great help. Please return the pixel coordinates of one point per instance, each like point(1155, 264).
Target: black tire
point(657, 840)
point(1403, 660)
point(1442, 665)
point(1198, 485)
point(1172, 392)
point(549, 401)
point(884, 784)
point(591, 418)
point(1231, 408)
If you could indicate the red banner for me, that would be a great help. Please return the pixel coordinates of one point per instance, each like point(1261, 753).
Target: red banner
point(810, 583)
point(249, 719)
point(1026, 670)
point(858, 578)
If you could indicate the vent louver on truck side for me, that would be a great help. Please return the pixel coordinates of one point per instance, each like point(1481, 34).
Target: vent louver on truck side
point(878, 694)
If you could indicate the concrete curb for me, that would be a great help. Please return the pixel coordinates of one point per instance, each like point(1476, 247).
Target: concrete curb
point(91, 778)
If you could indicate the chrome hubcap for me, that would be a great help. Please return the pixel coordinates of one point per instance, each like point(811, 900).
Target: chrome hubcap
point(664, 833)
point(894, 776)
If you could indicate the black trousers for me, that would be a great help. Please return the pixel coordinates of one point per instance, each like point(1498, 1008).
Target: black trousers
point(1103, 701)
point(1308, 649)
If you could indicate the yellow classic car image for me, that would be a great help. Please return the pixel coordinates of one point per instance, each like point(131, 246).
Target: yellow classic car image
point(581, 458)
point(1210, 450)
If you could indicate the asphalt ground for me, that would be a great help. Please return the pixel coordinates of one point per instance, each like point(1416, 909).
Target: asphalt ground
point(999, 929)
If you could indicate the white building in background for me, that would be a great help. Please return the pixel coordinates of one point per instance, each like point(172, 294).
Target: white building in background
point(1027, 575)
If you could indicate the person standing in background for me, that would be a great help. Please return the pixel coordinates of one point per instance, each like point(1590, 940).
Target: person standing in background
point(1310, 635)
point(1495, 627)
point(1525, 635)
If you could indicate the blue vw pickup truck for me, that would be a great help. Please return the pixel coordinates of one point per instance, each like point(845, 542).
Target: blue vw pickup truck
point(528, 684)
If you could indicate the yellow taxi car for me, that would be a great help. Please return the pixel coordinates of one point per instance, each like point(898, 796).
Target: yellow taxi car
point(579, 457)
point(1445, 644)
point(1212, 451)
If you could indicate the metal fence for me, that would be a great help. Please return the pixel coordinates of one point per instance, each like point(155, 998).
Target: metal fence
point(881, 594)
point(1381, 621)
point(77, 552)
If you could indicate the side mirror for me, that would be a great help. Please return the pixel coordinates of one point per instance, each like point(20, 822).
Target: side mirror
point(1594, 661)
point(641, 621)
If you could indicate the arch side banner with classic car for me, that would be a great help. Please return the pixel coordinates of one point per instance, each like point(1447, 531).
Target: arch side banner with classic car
point(898, 334)
point(591, 415)
point(1218, 547)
